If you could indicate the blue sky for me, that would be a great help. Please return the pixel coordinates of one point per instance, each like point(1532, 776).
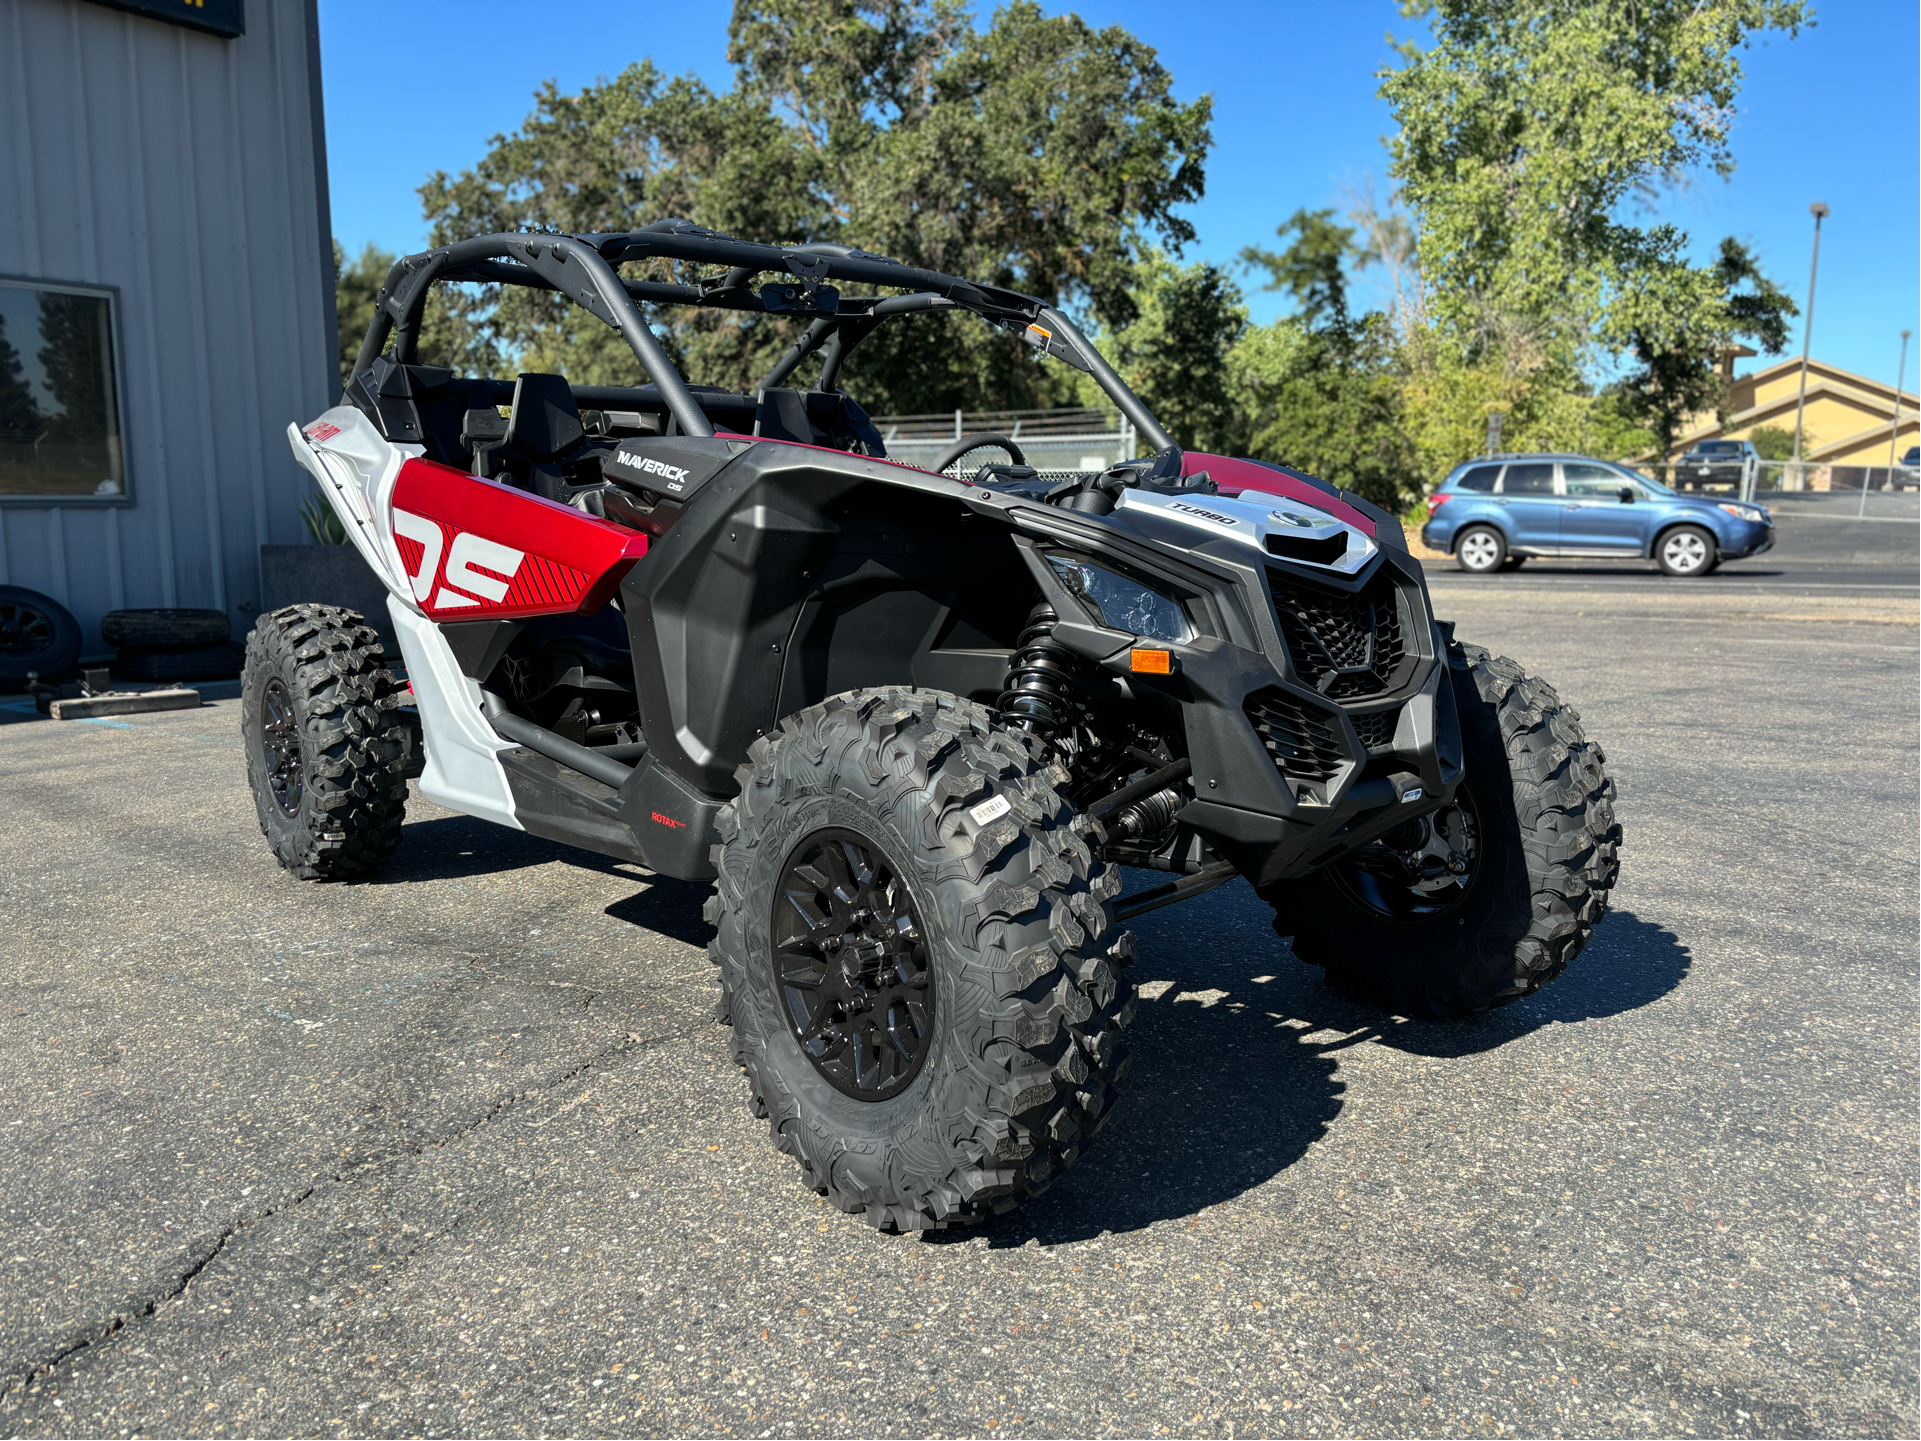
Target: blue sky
point(1831, 116)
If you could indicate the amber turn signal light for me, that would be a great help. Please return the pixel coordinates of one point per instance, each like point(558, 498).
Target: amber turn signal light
point(1151, 662)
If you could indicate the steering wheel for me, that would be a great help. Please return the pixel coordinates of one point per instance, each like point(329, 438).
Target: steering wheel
point(974, 442)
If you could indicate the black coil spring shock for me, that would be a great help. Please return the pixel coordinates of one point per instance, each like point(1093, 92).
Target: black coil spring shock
point(1036, 687)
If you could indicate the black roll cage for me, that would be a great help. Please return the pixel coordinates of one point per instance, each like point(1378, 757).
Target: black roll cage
point(581, 267)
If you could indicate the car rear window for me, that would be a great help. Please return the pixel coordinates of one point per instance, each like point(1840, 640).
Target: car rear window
point(1481, 477)
point(1718, 447)
point(1529, 480)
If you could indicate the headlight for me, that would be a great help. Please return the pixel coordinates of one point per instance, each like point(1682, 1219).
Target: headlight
point(1123, 604)
point(1745, 512)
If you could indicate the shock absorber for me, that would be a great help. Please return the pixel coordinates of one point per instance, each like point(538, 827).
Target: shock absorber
point(1036, 687)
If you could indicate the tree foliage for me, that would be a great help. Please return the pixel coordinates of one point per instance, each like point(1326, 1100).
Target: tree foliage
point(1319, 389)
point(1676, 372)
point(1532, 136)
point(356, 284)
point(1039, 153)
point(1529, 130)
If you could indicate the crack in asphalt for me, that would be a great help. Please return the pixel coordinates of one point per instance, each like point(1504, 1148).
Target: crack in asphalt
point(14, 1388)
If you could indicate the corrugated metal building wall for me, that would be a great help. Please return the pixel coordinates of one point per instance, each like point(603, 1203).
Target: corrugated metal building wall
point(189, 172)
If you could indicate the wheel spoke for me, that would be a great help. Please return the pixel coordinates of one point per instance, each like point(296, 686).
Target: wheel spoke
point(853, 975)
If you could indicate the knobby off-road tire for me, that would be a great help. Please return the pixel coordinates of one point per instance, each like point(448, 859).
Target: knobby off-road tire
point(1546, 855)
point(1028, 1002)
point(326, 750)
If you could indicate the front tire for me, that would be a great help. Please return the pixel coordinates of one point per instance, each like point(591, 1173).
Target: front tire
point(326, 748)
point(1495, 895)
point(918, 957)
point(1480, 550)
point(1687, 551)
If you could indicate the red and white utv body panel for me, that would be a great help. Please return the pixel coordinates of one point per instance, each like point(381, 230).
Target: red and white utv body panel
point(453, 547)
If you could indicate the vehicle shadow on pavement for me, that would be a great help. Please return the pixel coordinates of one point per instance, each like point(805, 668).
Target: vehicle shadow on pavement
point(1234, 1073)
point(1630, 963)
point(456, 847)
point(452, 848)
point(1223, 1097)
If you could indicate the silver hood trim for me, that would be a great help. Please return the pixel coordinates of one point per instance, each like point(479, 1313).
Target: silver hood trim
point(1252, 522)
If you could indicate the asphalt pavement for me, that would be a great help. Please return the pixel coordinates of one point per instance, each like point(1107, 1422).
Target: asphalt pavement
point(461, 1150)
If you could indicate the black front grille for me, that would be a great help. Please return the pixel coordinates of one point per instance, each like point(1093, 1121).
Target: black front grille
point(1301, 738)
point(1376, 729)
point(1342, 645)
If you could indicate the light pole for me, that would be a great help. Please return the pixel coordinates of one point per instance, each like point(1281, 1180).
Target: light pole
point(1819, 212)
point(1900, 378)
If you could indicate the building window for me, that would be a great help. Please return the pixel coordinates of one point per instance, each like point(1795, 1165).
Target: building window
point(59, 393)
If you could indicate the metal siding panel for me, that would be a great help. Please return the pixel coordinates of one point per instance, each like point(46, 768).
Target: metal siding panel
point(184, 171)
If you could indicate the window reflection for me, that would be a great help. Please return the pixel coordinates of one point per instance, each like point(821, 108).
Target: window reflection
point(59, 404)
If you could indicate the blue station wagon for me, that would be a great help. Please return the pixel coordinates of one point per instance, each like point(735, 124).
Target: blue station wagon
point(1499, 510)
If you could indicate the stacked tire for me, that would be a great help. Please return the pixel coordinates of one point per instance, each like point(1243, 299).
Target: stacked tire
point(172, 644)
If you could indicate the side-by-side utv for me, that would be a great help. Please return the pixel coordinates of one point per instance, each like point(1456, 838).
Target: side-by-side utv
point(910, 724)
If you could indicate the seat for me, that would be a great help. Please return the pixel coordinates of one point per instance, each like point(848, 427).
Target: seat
point(816, 417)
point(543, 440)
point(781, 414)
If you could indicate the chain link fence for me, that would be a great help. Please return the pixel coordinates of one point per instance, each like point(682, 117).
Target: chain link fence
point(1804, 489)
point(1064, 441)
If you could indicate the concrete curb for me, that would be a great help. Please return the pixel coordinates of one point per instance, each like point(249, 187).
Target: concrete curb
point(90, 706)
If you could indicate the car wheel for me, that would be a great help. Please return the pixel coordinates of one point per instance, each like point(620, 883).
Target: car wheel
point(1688, 551)
point(1480, 550)
point(38, 635)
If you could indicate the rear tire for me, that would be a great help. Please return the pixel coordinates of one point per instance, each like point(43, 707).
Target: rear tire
point(326, 749)
point(973, 927)
point(1687, 551)
point(1539, 810)
point(1480, 550)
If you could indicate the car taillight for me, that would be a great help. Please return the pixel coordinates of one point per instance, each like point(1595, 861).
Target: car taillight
point(1435, 502)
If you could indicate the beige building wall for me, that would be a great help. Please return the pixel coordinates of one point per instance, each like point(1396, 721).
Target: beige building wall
point(1849, 418)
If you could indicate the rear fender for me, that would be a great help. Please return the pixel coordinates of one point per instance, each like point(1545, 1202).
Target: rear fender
point(356, 467)
point(474, 549)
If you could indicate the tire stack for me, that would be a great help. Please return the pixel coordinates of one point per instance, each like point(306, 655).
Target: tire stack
point(162, 646)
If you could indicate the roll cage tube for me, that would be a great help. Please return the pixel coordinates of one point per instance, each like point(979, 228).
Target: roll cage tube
point(583, 268)
point(557, 262)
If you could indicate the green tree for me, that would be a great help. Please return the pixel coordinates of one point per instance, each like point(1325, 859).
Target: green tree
point(1177, 352)
point(1322, 387)
point(1675, 352)
point(1772, 442)
point(1040, 153)
point(1525, 132)
point(355, 287)
point(1312, 268)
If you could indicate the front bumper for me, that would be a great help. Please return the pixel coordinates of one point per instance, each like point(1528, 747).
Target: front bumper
point(1297, 760)
point(1749, 539)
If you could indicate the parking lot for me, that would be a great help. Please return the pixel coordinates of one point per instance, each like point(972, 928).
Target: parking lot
point(462, 1151)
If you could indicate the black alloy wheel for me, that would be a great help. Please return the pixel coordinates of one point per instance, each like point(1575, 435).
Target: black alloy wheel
point(37, 634)
point(851, 965)
point(1417, 872)
point(24, 630)
point(280, 746)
